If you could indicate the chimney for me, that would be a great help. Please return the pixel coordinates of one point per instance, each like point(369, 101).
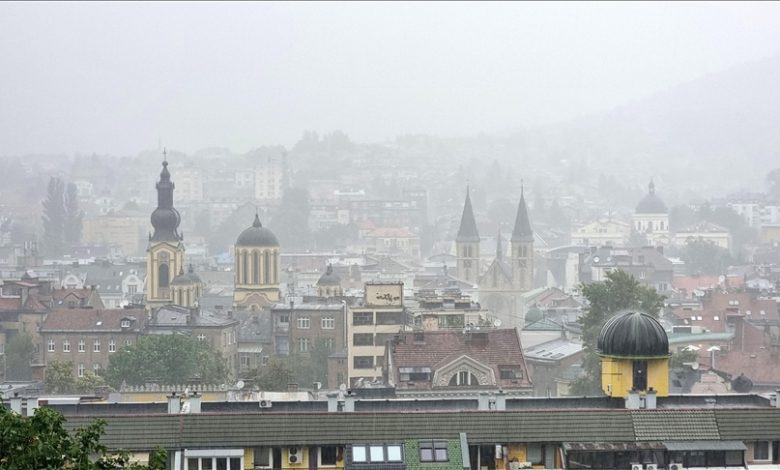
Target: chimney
point(195, 400)
point(633, 401)
point(174, 404)
point(16, 403)
point(650, 399)
point(349, 402)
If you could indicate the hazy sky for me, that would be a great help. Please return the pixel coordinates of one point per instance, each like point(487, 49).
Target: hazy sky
point(117, 78)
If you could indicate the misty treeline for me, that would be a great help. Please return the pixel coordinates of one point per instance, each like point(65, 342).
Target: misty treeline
point(62, 217)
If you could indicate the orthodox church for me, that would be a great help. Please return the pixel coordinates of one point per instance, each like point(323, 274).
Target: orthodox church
point(169, 283)
point(651, 218)
point(506, 278)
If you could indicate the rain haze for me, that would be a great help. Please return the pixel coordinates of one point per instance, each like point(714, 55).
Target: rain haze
point(390, 236)
point(124, 76)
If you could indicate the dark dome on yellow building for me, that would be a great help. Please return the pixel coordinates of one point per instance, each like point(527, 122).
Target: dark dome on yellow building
point(257, 235)
point(633, 335)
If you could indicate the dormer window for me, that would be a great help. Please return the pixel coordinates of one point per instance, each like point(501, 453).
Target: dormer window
point(125, 324)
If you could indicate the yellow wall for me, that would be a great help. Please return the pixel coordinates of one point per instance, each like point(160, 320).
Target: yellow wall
point(619, 374)
point(303, 462)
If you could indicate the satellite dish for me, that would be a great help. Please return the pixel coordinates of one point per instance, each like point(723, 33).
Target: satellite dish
point(721, 279)
point(497, 322)
point(596, 259)
point(695, 366)
point(240, 384)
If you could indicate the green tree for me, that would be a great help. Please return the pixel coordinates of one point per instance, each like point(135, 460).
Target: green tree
point(89, 383)
point(275, 376)
point(59, 377)
point(54, 217)
point(704, 257)
point(619, 291)
point(41, 441)
point(73, 217)
point(19, 352)
point(171, 359)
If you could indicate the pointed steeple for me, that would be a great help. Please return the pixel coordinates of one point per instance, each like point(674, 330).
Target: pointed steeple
point(468, 226)
point(522, 231)
point(256, 223)
point(651, 187)
point(499, 248)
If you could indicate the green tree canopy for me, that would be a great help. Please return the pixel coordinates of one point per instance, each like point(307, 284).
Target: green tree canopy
point(619, 291)
point(170, 359)
point(54, 217)
point(704, 257)
point(41, 441)
point(19, 352)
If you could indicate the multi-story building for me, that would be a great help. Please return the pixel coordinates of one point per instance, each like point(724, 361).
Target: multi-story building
point(269, 179)
point(370, 326)
point(125, 229)
point(88, 337)
point(601, 232)
point(647, 264)
point(218, 330)
point(312, 329)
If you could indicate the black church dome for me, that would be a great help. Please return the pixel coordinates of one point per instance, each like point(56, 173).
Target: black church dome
point(329, 278)
point(165, 221)
point(633, 334)
point(257, 235)
point(651, 203)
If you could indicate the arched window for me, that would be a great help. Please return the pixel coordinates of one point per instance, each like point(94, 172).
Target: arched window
point(463, 378)
point(163, 276)
point(256, 267)
point(245, 268)
point(267, 269)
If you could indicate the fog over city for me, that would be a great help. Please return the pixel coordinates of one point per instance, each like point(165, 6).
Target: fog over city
point(335, 226)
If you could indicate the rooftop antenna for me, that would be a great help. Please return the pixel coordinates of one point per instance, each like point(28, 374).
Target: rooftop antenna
point(165, 155)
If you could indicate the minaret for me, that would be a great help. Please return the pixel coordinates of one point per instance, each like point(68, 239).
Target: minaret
point(467, 245)
point(165, 254)
point(522, 248)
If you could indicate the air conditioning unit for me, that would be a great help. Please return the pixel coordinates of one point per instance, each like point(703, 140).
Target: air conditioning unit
point(651, 466)
point(293, 455)
point(265, 403)
point(637, 466)
point(676, 466)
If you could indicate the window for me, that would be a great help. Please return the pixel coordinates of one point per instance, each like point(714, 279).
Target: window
point(363, 318)
point(364, 362)
point(433, 451)
point(128, 342)
point(96, 368)
point(376, 453)
point(510, 373)
point(264, 361)
point(328, 323)
point(81, 370)
point(328, 455)
point(761, 450)
point(132, 289)
point(389, 318)
point(125, 324)
point(359, 454)
point(66, 347)
point(303, 344)
point(214, 463)
point(201, 337)
point(262, 457)
point(362, 339)
point(394, 453)
point(82, 345)
point(304, 323)
point(463, 378)
point(96, 346)
point(51, 346)
point(329, 343)
point(243, 360)
point(112, 346)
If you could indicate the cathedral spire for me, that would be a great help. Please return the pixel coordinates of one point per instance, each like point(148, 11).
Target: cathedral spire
point(468, 226)
point(499, 248)
point(522, 231)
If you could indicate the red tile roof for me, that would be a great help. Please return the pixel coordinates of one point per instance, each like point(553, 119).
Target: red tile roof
point(9, 303)
point(87, 319)
point(493, 348)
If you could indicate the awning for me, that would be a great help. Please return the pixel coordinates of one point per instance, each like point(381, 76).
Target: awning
point(611, 446)
point(704, 445)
